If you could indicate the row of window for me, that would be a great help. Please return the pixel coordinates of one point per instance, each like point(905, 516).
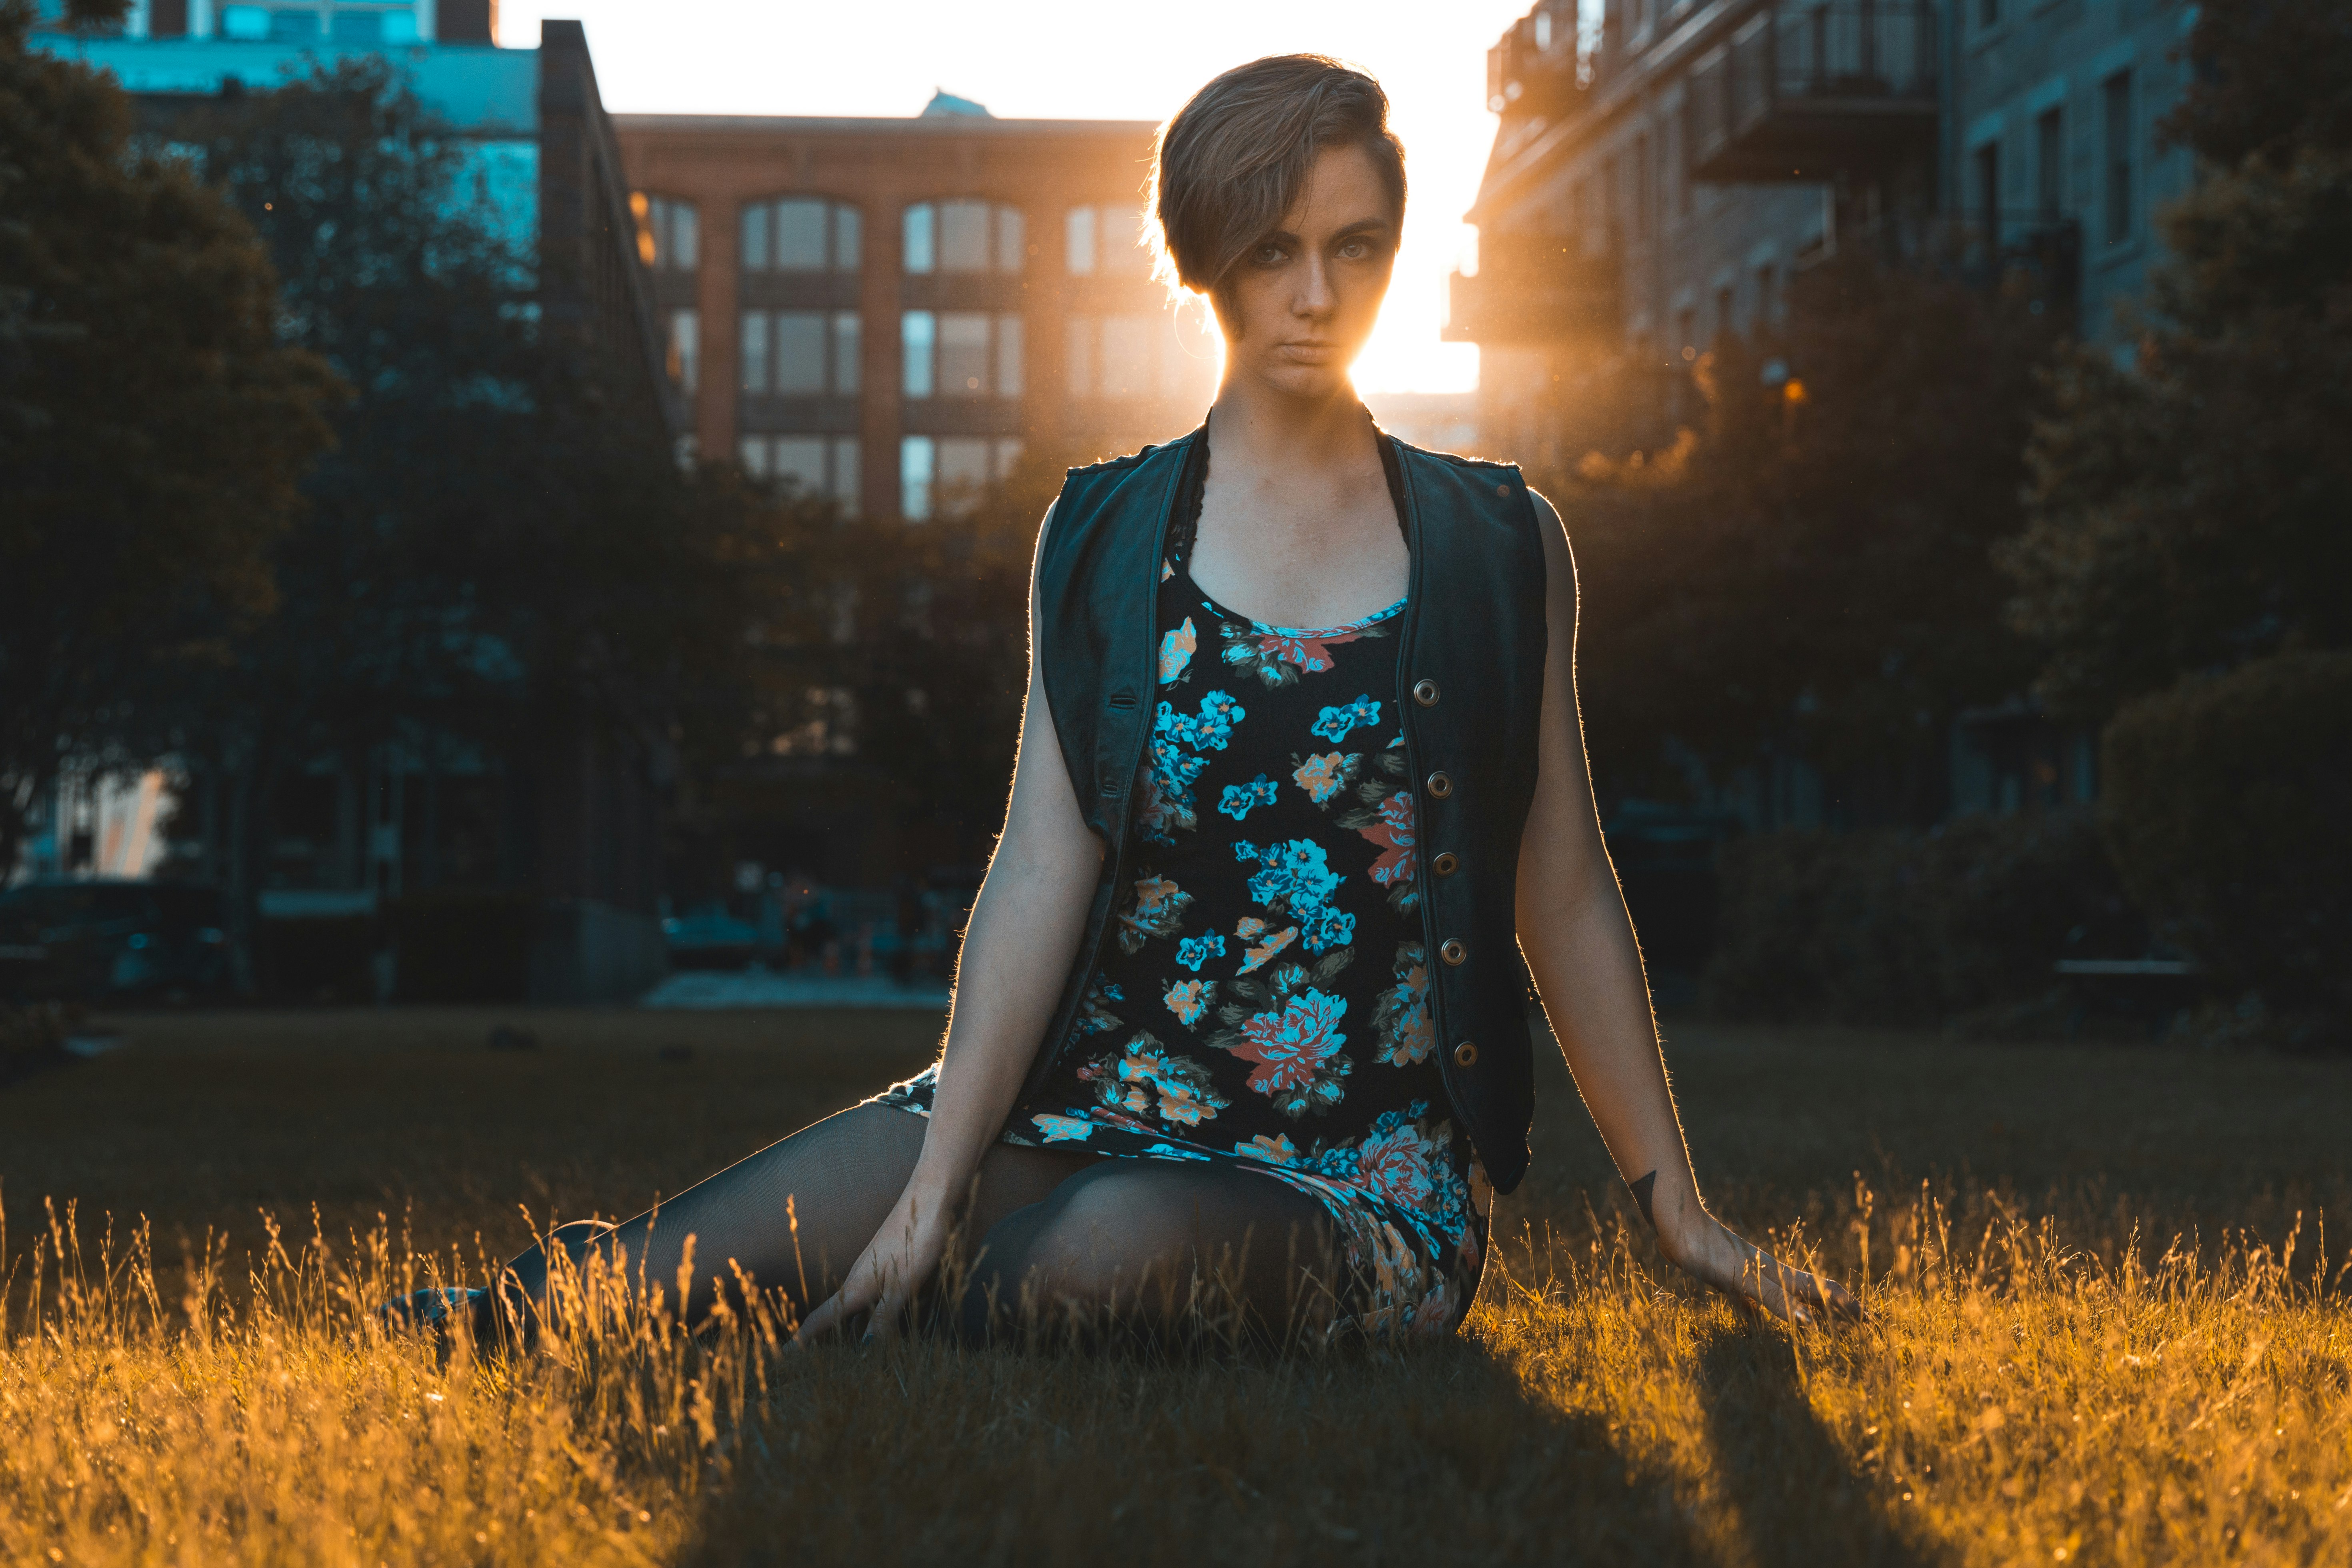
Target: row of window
point(946, 354)
point(811, 235)
point(938, 476)
point(2116, 177)
point(1595, 211)
point(307, 24)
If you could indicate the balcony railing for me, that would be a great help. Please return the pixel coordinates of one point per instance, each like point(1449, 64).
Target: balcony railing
point(1803, 91)
point(1533, 289)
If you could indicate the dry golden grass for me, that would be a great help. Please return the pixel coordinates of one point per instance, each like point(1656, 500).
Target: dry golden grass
point(2091, 1339)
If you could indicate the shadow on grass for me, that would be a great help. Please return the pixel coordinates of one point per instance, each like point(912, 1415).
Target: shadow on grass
point(916, 1453)
point(1794, 1494)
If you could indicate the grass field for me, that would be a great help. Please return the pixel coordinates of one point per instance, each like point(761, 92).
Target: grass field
point(2104, 1327)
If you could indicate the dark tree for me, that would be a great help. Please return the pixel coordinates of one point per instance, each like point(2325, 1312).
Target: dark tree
point(152, 426)
point(1808, 567)
point(2187, 513)
point(500, 553)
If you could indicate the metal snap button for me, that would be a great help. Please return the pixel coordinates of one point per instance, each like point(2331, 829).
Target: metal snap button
point(1446, 865)
point(1466, 1055)
point(1425, 693)
point(1440, 787)
point(1452, 952)
point(1503, 490)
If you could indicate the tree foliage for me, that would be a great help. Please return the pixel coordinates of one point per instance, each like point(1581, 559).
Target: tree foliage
point(499, 552)
point(153, 425)
point(1807, 568)
point(900, 650)
point(2188, 513)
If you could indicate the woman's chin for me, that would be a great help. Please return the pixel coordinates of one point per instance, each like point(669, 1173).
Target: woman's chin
point(1307, 383)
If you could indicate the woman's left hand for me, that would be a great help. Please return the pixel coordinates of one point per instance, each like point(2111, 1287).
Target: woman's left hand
point(1709, 1251)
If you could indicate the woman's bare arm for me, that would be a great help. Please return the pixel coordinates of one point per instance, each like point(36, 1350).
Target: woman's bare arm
point(1581, 948)
point(1017, 952)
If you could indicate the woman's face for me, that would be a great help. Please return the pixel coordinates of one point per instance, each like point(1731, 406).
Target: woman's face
point(1297, 306)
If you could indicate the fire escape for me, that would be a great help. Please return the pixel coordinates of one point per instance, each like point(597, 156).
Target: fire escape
point(1803, 93)
point(1533, 287)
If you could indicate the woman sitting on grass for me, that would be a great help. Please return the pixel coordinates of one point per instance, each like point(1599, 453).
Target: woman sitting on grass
point(1240, 1034)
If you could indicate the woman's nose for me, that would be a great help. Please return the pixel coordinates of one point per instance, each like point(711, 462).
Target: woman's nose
point(1315, 296)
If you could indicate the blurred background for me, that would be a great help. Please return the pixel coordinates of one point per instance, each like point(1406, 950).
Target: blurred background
point(498, 507)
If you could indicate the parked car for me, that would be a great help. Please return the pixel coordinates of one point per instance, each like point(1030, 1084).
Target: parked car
point(710, 937)
point(111, 938)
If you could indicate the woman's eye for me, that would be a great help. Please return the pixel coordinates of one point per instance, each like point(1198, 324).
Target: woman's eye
point(1354, 249)
point(1269, 256)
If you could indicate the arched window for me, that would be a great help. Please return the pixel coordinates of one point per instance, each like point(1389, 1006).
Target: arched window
point(801, 234)
point(669, 232)
point(964, 236)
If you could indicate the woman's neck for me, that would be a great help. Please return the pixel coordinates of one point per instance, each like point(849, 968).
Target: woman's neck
point(1254, 429)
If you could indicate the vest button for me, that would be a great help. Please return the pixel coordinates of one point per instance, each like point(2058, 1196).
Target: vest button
point(1452, 952)
point(1466, 1055)
point(1425, 693)
point(1446, 865)
point(1503, 490)
point(1440, 787)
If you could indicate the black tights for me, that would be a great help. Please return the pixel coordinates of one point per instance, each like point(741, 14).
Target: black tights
point(1052, 1243)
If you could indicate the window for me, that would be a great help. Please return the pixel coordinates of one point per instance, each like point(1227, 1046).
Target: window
point(1108, 241)
point(1766, 280)
point(2115, 96)
point(801, 234)
point(943, 475)
point(1988, 174)
point(814, 465)
point(2050, 165)
point(1642, 187)
point(1726, 305)
point(961, 354)
point(800, 353)
point(1138, 356)
point(1686, 330)
point(1678, 159)
point(682, 355)
point(963, 237)
point(669, 232)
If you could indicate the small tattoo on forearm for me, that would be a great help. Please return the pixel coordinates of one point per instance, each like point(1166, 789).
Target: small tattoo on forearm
point(1640, 1189)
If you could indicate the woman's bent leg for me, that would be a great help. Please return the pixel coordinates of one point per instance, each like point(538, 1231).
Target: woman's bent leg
point(796, 1216)
point(1159, 1249)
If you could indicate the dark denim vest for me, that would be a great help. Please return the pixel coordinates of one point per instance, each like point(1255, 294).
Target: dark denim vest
point(1469, 685)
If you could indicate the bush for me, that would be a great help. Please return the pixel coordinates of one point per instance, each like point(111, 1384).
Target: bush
point(1899, 928)
point(458, 946)
point(318, 958)
point(2225, 809)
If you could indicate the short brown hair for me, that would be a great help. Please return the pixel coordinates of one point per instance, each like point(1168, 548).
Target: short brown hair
point(1235, 157)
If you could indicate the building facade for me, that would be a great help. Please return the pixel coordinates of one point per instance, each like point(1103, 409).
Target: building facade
point(886, 310)
point(1657, 181)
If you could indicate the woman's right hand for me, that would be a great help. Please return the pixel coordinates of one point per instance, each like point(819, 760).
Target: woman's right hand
point(904, 1254)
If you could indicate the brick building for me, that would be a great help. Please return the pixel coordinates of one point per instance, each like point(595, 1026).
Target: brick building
point(886, 309)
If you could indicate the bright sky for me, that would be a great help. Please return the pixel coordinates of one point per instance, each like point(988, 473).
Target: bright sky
point(1084, 59)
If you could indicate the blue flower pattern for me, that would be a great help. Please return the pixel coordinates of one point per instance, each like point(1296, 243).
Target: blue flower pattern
point(1239, 1050)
